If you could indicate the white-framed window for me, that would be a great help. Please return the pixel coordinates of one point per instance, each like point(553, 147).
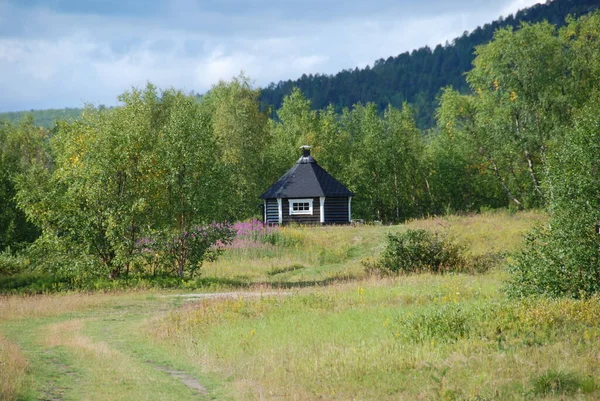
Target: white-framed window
point(301, 206)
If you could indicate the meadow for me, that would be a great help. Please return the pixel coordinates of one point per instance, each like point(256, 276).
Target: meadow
point(309, 323)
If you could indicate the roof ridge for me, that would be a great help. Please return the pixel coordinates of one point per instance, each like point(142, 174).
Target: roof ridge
point(306, 177)
point(316, 176)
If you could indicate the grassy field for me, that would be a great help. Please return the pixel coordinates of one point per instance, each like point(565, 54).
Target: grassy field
point(323, 254)
point(353, 337)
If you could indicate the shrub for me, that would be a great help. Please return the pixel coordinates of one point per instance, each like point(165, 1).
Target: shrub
point(33, 283)
point(421, 251)
point(12, 264)
point(555, 382)
point(185, 251)
point(448, 322)
point(479, 264)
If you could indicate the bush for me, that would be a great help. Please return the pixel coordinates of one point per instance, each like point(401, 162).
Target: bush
point(446, 323)
point(421, 251)
point(32, 283)
point(12, 264)
point(556, 382)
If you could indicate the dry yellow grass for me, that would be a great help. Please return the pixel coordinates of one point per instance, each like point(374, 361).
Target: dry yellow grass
point(319, 253)
point(68, 334)
point(16, 306)
point(13, 368)
point(489, 232)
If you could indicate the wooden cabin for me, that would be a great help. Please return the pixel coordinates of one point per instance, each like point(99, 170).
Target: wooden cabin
point(307, 194)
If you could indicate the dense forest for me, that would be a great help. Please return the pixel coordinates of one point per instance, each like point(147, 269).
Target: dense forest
point(419, 76)
point(416, 77)
point(164, 170)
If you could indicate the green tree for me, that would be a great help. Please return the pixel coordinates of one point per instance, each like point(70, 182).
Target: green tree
point(519, 81)
point(562, 258)
point(145, 169)
point(21, 146)
point(465, 171)
point(240, 130)
point(296, 125)
point(386, 163)
point(189, 190)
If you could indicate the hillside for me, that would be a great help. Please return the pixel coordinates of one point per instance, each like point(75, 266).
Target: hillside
point(43, 118)
point(418, 76)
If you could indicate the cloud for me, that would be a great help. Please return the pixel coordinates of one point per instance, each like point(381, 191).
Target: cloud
point(75, 52)
point(516, 5)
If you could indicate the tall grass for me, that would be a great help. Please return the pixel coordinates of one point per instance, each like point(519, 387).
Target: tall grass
point(13, 368)
point(497, 231)
point(324, 251)
point(422, 337)
point(19, 307)
point(337, 251)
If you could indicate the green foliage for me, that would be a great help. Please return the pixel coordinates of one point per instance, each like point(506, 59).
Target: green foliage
point(459, 177)
point(527, 85)
point(562, 258)
point(419, 250)
point(11, 264)
point(119, 174)
point(21, 146)
point(554, 382)
point(386, 167)
point(280, 238)
point(446, 323)
point(29, 283)
point(187, 250)
point(32, 283)
point(239, 130)
point(43, 118)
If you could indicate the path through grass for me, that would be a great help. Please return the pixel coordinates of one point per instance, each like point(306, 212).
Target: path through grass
point(420, 337)
point(98, 352)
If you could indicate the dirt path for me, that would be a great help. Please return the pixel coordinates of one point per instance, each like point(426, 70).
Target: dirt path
point(230, 295)
point(103, 354)
point(190, 382)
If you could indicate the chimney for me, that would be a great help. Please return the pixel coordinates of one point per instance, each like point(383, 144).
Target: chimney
point(305, 150)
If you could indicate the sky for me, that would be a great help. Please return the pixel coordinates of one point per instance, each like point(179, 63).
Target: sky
point(66, 53)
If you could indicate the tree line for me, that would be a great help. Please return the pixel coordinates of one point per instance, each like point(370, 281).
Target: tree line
point(159, 170)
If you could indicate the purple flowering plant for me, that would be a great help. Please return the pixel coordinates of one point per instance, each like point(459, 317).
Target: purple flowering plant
point(251, 234)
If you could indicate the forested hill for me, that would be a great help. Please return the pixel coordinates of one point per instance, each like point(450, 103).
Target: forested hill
point(416, 77)
point(43, 118)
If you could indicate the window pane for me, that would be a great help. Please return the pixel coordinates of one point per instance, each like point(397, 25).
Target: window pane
point(300, 207)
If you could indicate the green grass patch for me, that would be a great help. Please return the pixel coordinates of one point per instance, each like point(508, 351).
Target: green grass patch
point(334, 333)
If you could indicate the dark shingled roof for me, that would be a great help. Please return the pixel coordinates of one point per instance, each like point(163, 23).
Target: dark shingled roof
point(306, 179)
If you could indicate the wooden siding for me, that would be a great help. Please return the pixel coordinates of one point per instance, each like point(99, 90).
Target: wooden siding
point(314, 218)
point(272, 211)
point(336, 210)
